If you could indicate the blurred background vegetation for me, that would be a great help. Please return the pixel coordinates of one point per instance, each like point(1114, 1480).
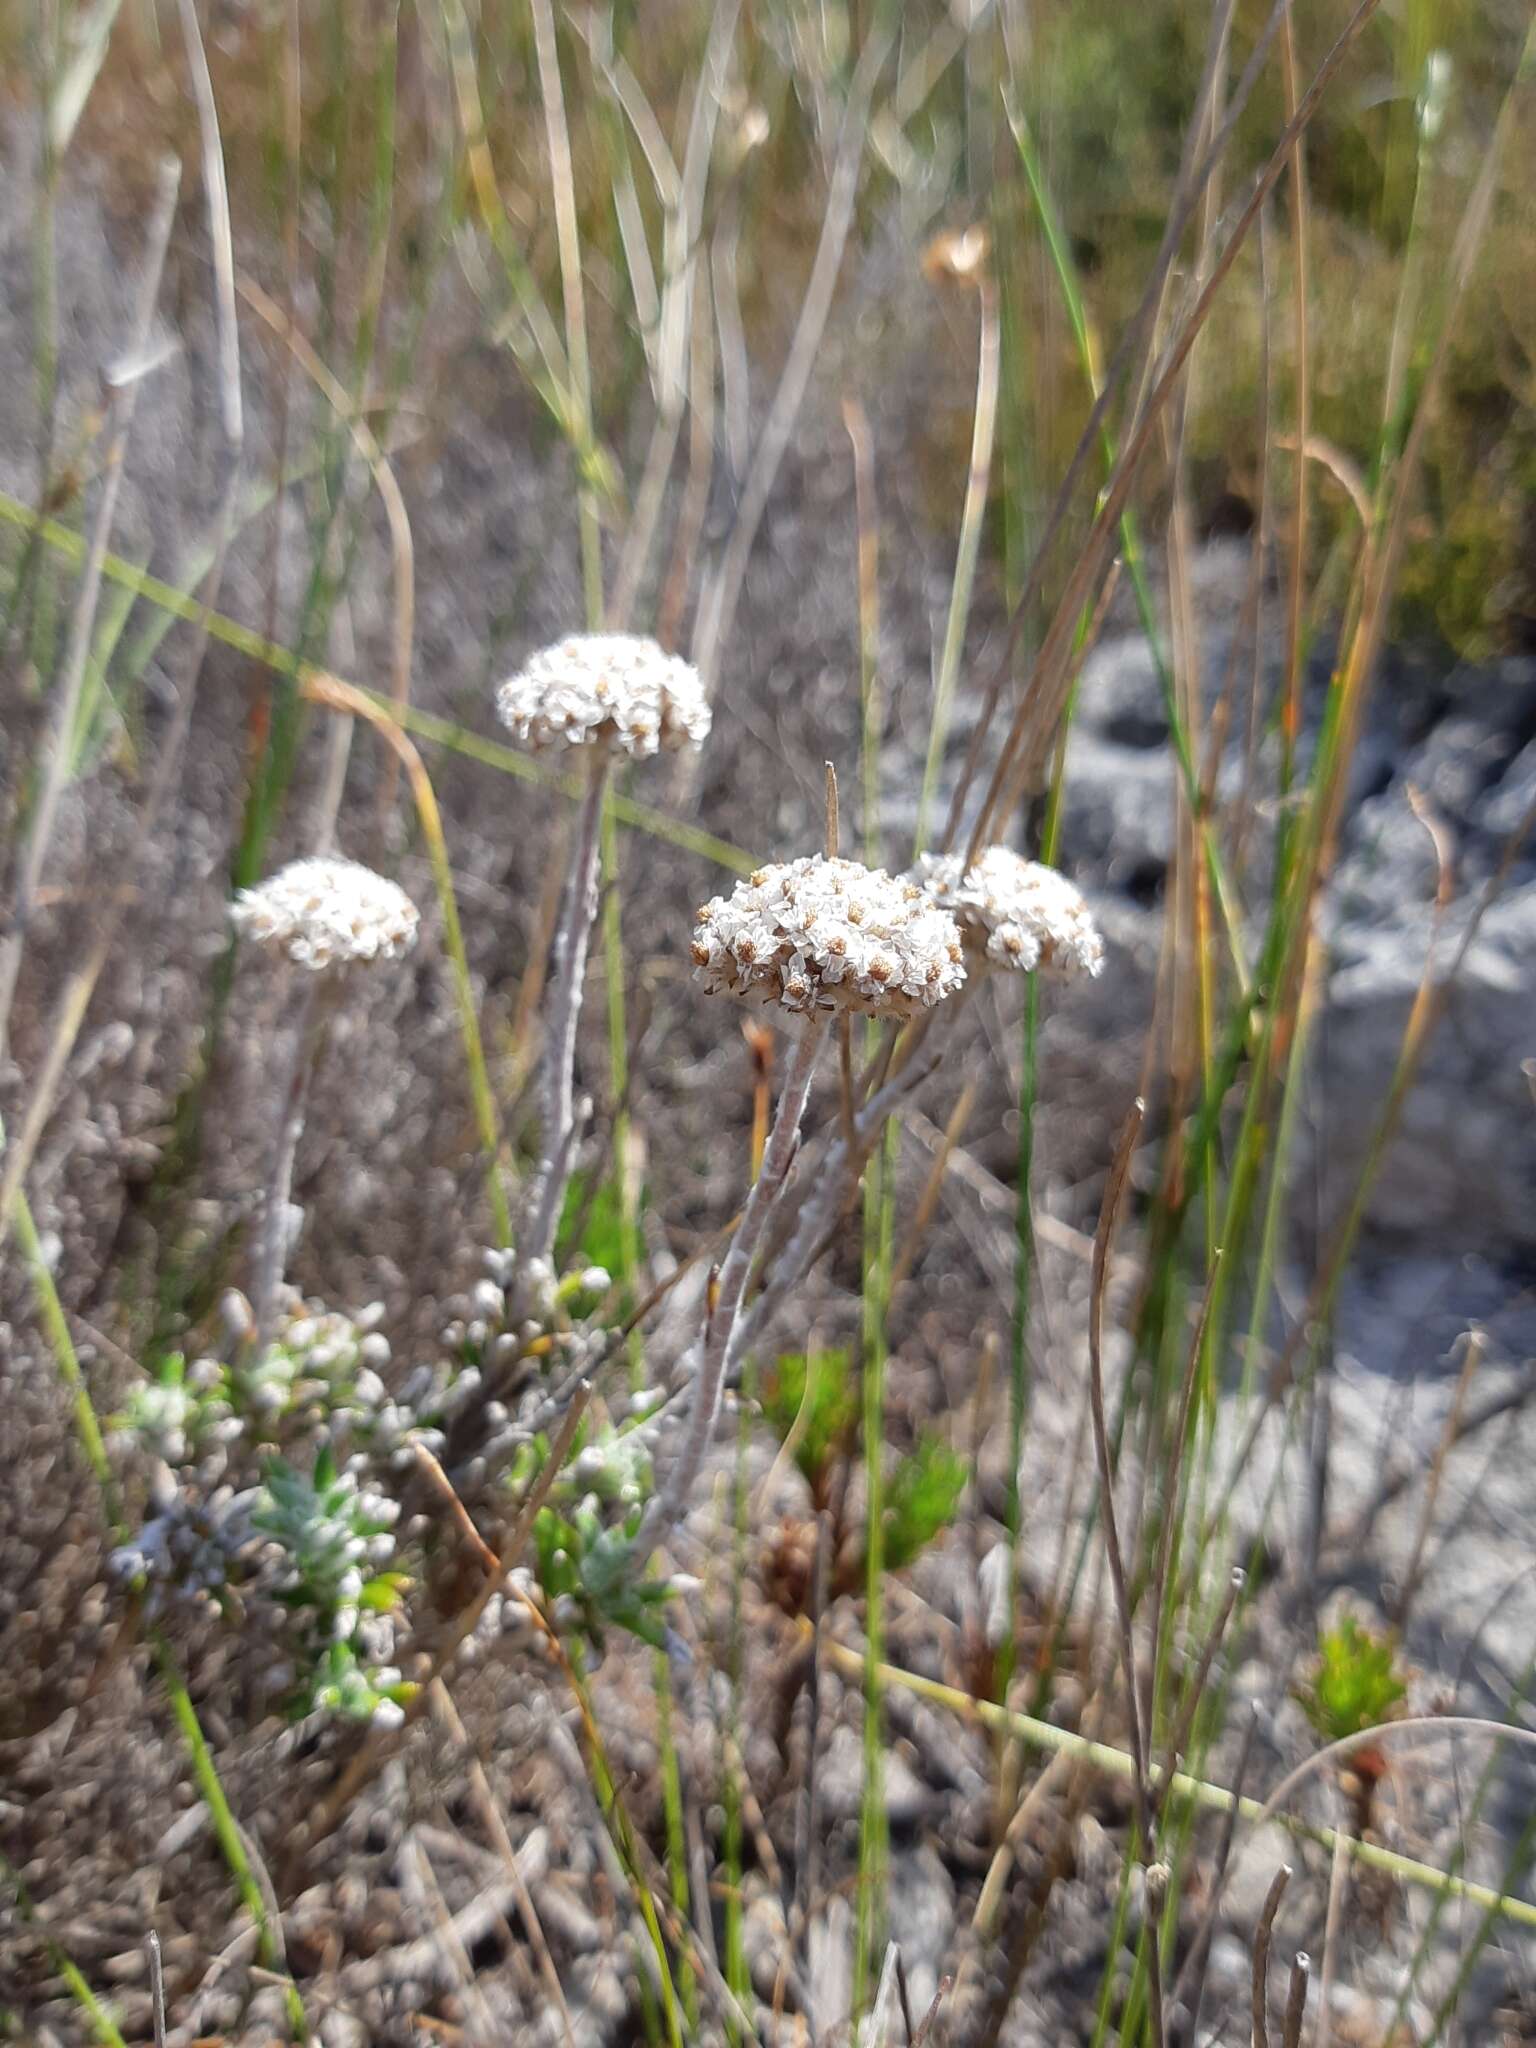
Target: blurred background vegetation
point(367, 160)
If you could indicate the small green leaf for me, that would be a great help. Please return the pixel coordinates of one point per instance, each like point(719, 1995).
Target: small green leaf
point(1354, 1684)
point(830, 1411)
point(921, 1498)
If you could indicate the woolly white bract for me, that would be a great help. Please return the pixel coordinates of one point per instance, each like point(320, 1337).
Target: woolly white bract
point(821, 934)
point(324, 913)
point(610, 688)
point(1018, 913)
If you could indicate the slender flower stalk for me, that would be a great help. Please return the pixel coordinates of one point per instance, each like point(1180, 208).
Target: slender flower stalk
point(606, 694)
point(832, 1194)
point(731, 1285)
point(1014, 916)
point(578, 913)
point(319, 917)
point(819, 939)
point(276, 1209)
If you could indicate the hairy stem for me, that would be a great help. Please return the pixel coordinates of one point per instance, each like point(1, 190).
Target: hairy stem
point(293, 1088)
point(731, 1286)
point(569, 972)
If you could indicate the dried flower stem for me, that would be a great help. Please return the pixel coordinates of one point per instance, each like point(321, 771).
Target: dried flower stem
point(567, 975)
point(292, 1091)
point(1261, 1940)
point(731, 1287)
point(831, 1194)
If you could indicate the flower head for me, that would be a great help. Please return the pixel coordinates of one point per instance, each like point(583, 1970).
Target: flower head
point(1015, 913)
point(324, 913)
point(825, 934)
point(606, 688)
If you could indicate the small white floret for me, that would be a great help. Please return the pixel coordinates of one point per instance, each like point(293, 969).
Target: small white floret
point(1015, 913)
point(825, 935)
point(322, 912)
point(610, 689)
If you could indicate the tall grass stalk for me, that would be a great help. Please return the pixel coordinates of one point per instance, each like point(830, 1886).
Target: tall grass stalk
point(579, 373)
point(97, 2017)
point(1184, 1791)
point(978, 480)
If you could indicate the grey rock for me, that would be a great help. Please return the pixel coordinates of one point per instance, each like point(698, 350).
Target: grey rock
point(840, 1783)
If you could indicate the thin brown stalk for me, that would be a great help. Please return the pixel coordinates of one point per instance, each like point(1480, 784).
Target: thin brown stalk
point(1189, 1985)
point(1178, 1740)
point(674, 1498)
point(1296, 1999)
point(1169, 1506)
point(760, 1050)
point(1396, 1481)
point(448, 1494)
point(1109, 1213)
point(1378, 573)
point(124, 377)
point(1429, 1005)
point(1338, 1877)
point(1261, 1939)
point(928, 1201)
point(1057, 1775)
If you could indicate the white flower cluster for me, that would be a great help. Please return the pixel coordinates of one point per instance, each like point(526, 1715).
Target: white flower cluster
point(606, 688)
point(323, 912)
point(1015, 913)
point(824, 934)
